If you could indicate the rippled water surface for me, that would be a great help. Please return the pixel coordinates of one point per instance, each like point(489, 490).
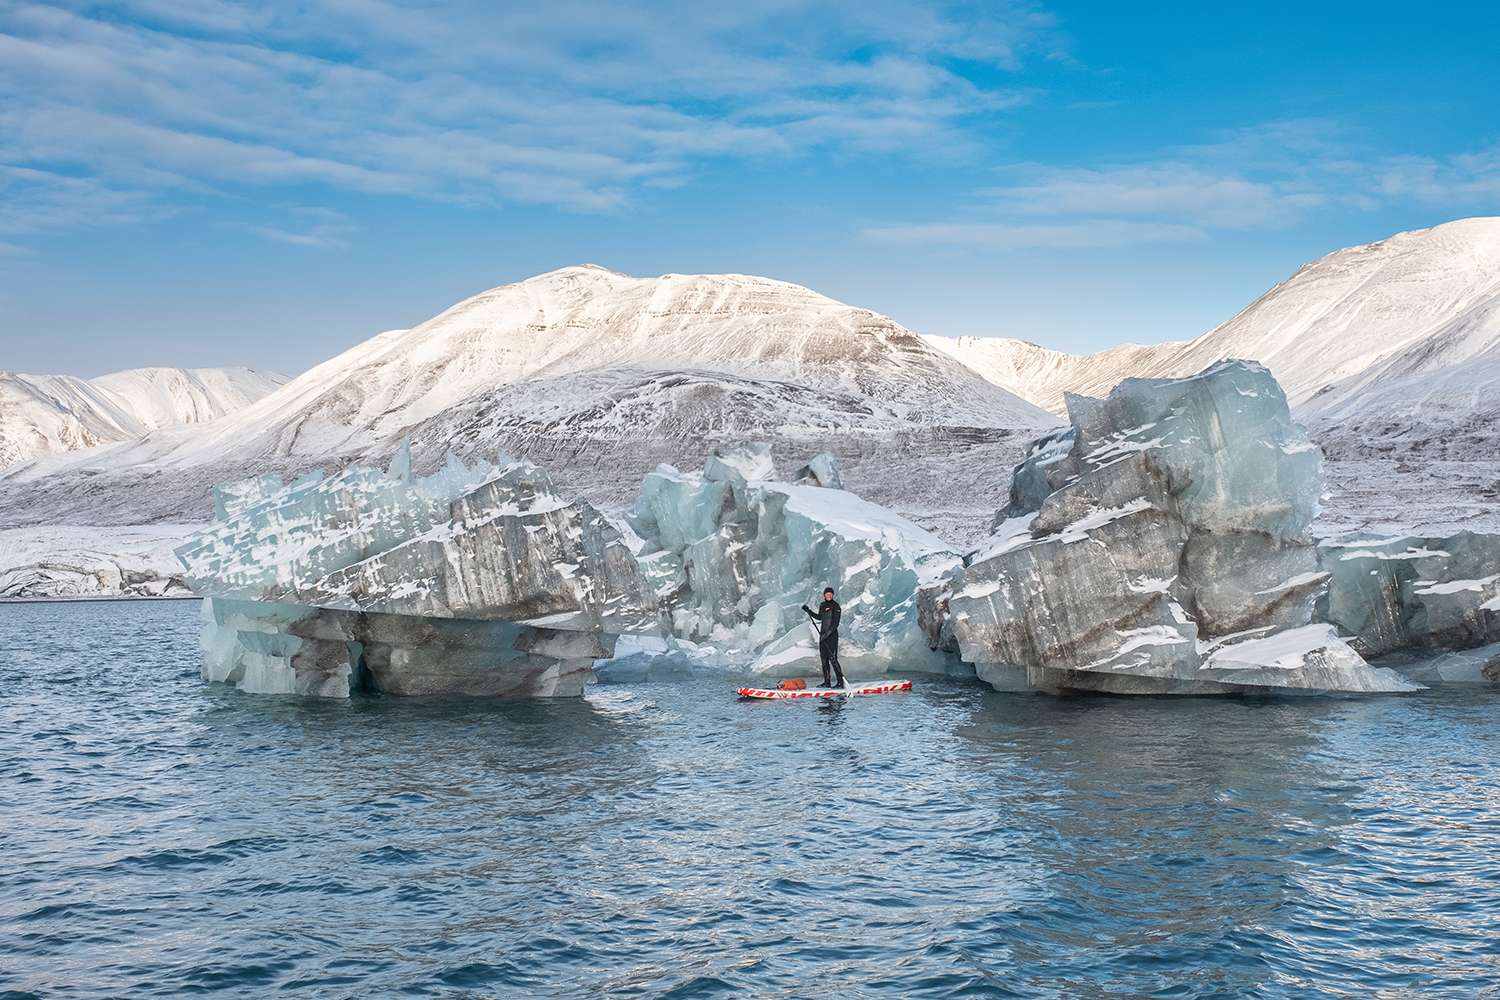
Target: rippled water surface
point(161, 837)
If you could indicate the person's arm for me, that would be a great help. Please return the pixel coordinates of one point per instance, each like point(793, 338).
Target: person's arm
point(837, 612)
point(810, 613)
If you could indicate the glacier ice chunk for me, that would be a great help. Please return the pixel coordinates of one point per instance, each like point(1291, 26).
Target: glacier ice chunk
point(740, 465)
point(731, 560)
point(823, 471)
point(648, 658)
point(477, 580)
point(1312, 657)
point(1468, 666)
point(1166, 528)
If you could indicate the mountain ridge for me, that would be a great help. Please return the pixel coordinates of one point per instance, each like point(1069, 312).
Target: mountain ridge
point(1414, 302)
point(599, 376)
point(1393, 348)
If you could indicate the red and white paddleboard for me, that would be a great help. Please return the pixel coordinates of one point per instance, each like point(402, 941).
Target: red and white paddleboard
point(749, 692)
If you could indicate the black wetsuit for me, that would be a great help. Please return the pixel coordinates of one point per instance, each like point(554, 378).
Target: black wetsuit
point(827, 616)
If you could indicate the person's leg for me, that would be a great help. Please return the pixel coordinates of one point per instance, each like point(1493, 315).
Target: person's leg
point(823, 655)
point(833, 657)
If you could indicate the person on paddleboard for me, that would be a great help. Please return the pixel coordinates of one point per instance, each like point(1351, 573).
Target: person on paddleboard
point(827, 616)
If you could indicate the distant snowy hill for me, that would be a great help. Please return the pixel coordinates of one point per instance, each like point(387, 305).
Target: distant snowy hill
point(1041, 375)
point(598, 376)
point(1390, 353)
point(1342, 325)
point(45, 414)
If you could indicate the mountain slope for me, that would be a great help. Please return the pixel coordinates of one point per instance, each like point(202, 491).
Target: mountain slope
point(1342, 324)
point(1390, 354)
point(599, 376)
point(44, 414)
point(1042, 376)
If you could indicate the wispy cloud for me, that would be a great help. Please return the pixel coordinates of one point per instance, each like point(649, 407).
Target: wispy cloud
point(575, 103)
point(1183, 191)
point(1454, 181)
point(1270, 177)
point(317, 228)
point(34, 201)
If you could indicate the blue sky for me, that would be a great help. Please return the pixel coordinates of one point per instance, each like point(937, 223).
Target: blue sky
point(200, 182)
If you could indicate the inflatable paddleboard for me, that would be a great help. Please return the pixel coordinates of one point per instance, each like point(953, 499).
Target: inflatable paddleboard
point(749, 692)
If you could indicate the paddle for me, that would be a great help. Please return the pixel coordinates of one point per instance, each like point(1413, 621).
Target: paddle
point(817, 636)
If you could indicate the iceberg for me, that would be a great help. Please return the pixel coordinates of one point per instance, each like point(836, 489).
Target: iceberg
point(480, 581)
point(1161, 544)
point(732, 554)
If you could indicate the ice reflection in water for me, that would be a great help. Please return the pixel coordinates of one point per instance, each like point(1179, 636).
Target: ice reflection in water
point(162, 837)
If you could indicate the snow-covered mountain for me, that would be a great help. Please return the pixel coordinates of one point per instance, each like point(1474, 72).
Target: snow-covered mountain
point(1389, 353)
point(587, 343)
point(44, 414)
point(1346, 323)
point(598, 376)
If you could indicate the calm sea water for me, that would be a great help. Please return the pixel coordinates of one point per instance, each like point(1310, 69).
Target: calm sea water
point(161, 837)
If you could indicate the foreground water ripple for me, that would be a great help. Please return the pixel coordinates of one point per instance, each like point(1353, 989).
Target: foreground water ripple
point(165, 838)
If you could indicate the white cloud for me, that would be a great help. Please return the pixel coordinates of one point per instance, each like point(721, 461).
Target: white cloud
point(34, 201)
point(1175, 190)
point(1455, 181)
point(575, 103)
point(317, 228)
point(1268, 177)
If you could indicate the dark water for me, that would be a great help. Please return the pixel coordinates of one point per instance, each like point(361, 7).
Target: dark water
point(159, 837)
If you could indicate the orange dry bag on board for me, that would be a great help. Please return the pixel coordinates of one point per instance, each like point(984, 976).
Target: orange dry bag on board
point(794, 684)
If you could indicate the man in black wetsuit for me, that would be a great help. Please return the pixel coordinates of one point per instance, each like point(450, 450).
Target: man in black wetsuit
point(827, 616)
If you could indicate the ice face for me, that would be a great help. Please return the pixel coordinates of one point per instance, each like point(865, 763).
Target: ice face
point(1166, 528)
point(272, 648)
point(1412, 592)
point(821, 471)
point(1049, 464)
point(475, 580)
point(1254, 469)
point(732, 562)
